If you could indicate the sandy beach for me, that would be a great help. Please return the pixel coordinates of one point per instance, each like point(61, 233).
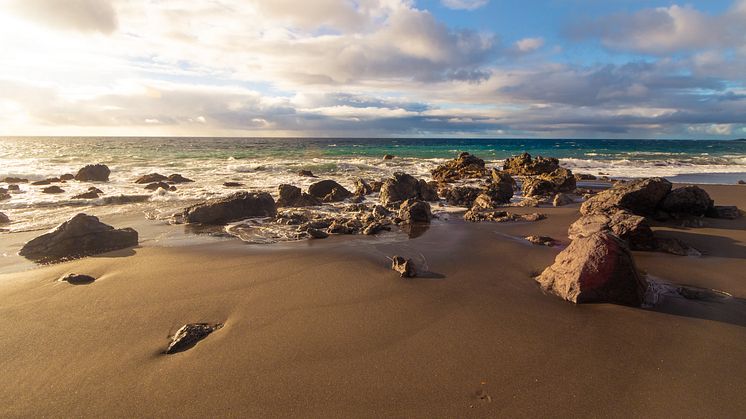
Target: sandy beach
point(326, 329)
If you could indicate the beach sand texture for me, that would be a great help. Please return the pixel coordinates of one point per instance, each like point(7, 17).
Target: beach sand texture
point(326, 329)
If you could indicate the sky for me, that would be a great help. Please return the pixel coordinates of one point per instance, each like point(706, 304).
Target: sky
point(374, 68)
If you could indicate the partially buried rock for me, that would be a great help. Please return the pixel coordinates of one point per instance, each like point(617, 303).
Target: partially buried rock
point(592, 269)
point(93, 172)
point(726, 212)
point(77, 279)
point(150, 178)
point(413, 211)
point(53, 190)
point(292, 196)
point(86, 195)
point(82, 235)
point(691, 200)
point(329, 191)
point(541, 240)
point(14, 188)
point(306, 173)
point(189, 334)
point(239, 206)
point(405, 267)
point(640, 197)
point(676, 247)
point(461, 196)
point(177, 178)
point(465, 166)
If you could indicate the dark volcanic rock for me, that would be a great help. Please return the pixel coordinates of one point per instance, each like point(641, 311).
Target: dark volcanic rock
point(502, 187)
point(306, 173)
point(87, 195)
point(189, 334)
point(631, 228)
point(524, 165)
point(82, 235)
point(598, 268)
point(413, 211)
point(14, 188)
point(405, 267)
point(177, 178)
point(461, 196)
point(329, 191)
point(402, 186)
point(11, 179)
point(465, 166)
point(160, 185)
point(53, 190)
point(727, 212)
point(77, 279)
point(691, 200)
point(93, 172)
point(640, 197)
point(362, 187)
point(4, 218)
point(317, 234)
point(559, 180)
point(4, 196)
point(41, 182)
point(237, 206)
point(292, 196)
point(151, 178)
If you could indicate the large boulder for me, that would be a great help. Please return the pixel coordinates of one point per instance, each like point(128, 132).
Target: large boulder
point(93, 173)
point(461, 196)
point(82, 235)
point(641, 197)
point(631, 228)
point(690, 200)
point(238, 206)
point(465, 166)
point(402, 186)
point(559, 180)
point(598, 268)
point(292, 196)
point(329, 191)
point(414, 211)
point(502, 187)
point(524, 165)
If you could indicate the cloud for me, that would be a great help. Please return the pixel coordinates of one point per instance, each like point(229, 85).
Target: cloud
point(464, 4)
point(529, 44)
point(79, 15)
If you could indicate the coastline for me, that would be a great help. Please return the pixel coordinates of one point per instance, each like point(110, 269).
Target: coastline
point(325, 328)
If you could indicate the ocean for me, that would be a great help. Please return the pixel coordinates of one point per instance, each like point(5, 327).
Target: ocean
point(264, 163)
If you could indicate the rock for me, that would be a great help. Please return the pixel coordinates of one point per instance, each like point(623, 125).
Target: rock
point(189, 334)
point(238, 206)
point(388, 157)
point(41, 182)
point(53, 190)
point(562, 199)
point(476, 214)
point(67, 176)
point(584, 176)
point(631, 228)
point(76, 279)
point(502, 187)
point(405, 267)
point(524, 165)
point(317, 234)
point(559, 180)
point(82, 235)
point(465, 166)
point(232, 184)
point(14, 188)
point(159, 185)
point(95, 190)
point(402, 186)
point(329, 191)
point(375, 227)
point(379, 212)
point(86, 195)
point(598, 268)
point(640, 197)
point(177, 178)
point(726, 212)
point(462, 196)
point(151, 178)
point(362, 187)
point(4, 218)
point(306, 173)
point(93, 172)
point(740, 182)
point(339, 227)
point(292, 196)
point(427, 191)
point(4, 196)
point(11, 179)
point(541, 240)
point(675, 247)
point(691, 200)
point(414, 211)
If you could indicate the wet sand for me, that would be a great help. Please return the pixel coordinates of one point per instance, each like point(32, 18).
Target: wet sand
point(326, 329)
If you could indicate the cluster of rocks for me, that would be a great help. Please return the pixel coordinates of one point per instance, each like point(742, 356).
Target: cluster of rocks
point(598, 265)
point(89, 173)
point(465, 166)
point(156, 181)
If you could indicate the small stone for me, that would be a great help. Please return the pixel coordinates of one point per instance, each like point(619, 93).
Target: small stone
point(232, 184)
point(53, 190)
point(77, 279)
point(189, 334)
point(405, 267)
point(541, 240)
point(11, 179)
point(306, 173)
point(562, 199)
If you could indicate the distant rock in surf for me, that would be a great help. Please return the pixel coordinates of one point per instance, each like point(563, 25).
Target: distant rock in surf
point(177, 178)
point(82, 235)
point(233, 184)
point(292, 196)
point(150, 178)
point(92, 193)
point(4, 218)
point(329, 191)
point(160, 185)
point(388, 157)
point(53, 190)
point(239, 206)
point(93, 173)
point(67, 176)
point(402, 186)
point(188, 335)
point(306, 173)
point(465, 166)
point(11, 179)
point(524, 165)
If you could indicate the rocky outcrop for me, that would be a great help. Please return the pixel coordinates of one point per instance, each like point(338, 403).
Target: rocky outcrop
point(362, 188)
point(640, 197)
point(292, 196)
point(461, 196)
point(414, 211)
point(160, 185)
point(189, 334)
point(584, 176)
point(93, 173)
point(598, 268)
point(559, 180)
point(405, 267)
point(465, 166)
point(329, 191)
point(402, 186)
point(476, 214)
point(238, 206)
point(67, 176)
point(524, 165)
point(502, 186)
point(388, 157)
point(4, 195)
point(631, 228)
point(726, 212)
point(689, 200)
point(82, 235)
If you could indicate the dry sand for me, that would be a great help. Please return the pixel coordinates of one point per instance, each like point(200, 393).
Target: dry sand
point(325, 329)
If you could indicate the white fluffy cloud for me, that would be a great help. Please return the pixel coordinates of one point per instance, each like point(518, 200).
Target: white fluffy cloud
point(464, 4)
